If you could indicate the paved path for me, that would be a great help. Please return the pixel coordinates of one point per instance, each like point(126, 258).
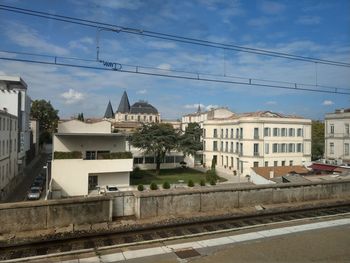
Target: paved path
point(29, 174)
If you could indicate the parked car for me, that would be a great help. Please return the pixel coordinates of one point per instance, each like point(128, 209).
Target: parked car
point(34, 193)
point(38, 184)
point(108, 189)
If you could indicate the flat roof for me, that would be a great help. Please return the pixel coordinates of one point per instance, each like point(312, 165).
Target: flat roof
point(91, 134)
point(11, 79)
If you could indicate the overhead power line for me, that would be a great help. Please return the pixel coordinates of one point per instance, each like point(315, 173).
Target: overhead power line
point(186, 75)
point(170, 37)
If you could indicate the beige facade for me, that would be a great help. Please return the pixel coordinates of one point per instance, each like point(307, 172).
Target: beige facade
point(72, 177)
point(254, 140)
point(8, 153)
point(337, 137)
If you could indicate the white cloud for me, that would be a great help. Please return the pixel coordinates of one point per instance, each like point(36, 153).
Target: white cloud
point(270, 7)
point(164, 66)
point(193, 106)
point(271, 102)
point(209, 107)
point(119, 4)
point(71, 96)
point(162, 44)
point(143, 91)
point(27, 37)
point(309, 20)
point(82, 43)
point(327, 103)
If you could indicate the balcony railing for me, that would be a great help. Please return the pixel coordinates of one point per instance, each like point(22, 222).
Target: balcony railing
point(256, 154)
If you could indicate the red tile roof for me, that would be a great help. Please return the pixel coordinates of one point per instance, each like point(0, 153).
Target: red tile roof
point(280, 170)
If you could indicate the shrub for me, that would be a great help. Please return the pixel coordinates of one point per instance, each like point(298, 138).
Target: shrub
point(153, 186)
point(116, 155)
point(211, 175)
point(202, 183)
point(166, 185)
point(190, 183)
point(68, 155)
point(140, 187)
point(212, 182)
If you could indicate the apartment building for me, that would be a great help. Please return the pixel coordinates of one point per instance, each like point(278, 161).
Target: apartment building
point(87, 155)
point(337, 137)
point(257, 139)
point(13, 97)
point(8, 153)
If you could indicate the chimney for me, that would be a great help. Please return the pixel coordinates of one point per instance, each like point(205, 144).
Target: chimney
point(271, 174)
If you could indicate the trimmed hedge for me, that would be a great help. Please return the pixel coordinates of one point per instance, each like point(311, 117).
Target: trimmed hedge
point(140, 187)
point(166, 185)
point(68, 155)
point(116, 155)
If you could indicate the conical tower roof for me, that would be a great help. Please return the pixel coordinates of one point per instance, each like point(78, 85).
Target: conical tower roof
point(124, 105)
point(109, 111)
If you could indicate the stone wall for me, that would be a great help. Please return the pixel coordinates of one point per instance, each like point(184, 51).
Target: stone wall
point(22, 216)
point(223, 198)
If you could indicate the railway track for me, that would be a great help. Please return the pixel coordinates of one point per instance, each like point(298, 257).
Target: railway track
point(159, 234)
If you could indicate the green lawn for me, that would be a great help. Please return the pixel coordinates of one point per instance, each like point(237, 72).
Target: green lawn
point(167, 175)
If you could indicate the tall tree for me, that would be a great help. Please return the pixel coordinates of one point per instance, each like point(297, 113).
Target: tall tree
point(156, 138)
point(317, 140)
point(190, 141)
point(81, 116)
point(47, 116)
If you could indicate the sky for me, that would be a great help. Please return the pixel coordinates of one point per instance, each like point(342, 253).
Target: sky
point(313, 28)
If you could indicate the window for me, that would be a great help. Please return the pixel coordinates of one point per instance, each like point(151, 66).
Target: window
point(138, 118)
point(267, 132)
point(300, 132)
point(283, 132)
point(237, 147)
point(222, 160)
point(125, 117)
point(276, 132)
point(215, 145)
point(256, 149)
point(331, 148)
point(256, 133)
point(204, 145)
point(266, 164)
point(332, 128)
point(299, 147)
point(204, 133)
point(275, 148)
point(93, 182)
point(237, 133)
point(241, 148)
point(138, 160)
point(231, 133)
point(241, 133)
point(222, 146)
point(222, 133)
point(347, 128)
point(231, 162)
point(149, 159)
point(226, 147)
point(291, 132)
point(256, 164)
point(291, 147)
point(283, 163)
point(231, 147)
point(144, 118)
point(266, 148)
point(90, 155)
point(290, 163)
point(346, 149)
point(150, 118)
point(215, 133)
point(283, 148)
point(226, 133)
point(170, 159)
point(275, 163)
point(226, 161)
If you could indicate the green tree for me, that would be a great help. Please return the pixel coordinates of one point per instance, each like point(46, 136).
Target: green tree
point(190, 141)
point(47, 116)
point(81, 117)
point(156, 138)
point(317, 140)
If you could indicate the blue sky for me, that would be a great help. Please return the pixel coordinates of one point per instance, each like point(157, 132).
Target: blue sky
point(318, 29)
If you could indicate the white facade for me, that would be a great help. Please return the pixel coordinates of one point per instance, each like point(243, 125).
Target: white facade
point(8, 153)
point(337, 136)
point(13, 97)
point(256, 139)
point(200, 117)
point(73, 177)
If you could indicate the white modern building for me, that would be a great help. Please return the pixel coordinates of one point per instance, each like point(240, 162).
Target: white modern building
point(14, 98)
point(337, 137)
point(256, 139)
point(8, 153)
point(86, 156)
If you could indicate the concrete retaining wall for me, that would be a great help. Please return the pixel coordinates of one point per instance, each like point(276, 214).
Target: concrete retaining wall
point(223, 198)
point(22, 216)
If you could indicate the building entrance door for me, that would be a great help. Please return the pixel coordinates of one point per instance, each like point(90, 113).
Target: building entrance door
point(93, 182)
